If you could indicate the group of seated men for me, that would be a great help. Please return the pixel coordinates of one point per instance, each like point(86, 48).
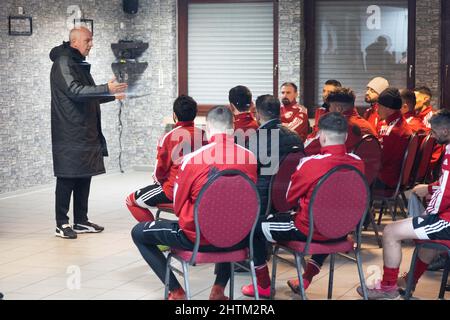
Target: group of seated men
point(252, 138)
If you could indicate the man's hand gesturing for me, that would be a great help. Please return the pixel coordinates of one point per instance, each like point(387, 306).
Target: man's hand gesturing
point(116, 87)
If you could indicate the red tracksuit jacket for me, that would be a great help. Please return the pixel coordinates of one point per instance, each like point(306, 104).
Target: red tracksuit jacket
point(372, 116)
point(220, 154)
point(295, 117)
point(245, 121)
point(320, 111)
point(415, 123)
point(393, 134)
point(184, 138)
point(425, 115)
point(440, 190)
point(308, 174)
point(357, 128)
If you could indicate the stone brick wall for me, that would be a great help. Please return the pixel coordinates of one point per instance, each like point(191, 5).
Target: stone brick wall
point(25, 140)
point(428, 49)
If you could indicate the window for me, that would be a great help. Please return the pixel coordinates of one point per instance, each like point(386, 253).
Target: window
point(355, 41)
point(226, 43)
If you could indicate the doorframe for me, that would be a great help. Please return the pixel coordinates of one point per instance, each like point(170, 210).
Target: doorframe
point(445, 49)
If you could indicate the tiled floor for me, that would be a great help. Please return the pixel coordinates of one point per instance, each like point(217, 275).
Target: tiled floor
point(34, 264)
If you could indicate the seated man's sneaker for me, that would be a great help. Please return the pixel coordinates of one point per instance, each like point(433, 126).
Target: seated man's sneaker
point(294, 284)
point(438, 263)
point(402, 282)
point(385, 293)
point(250, 292)
point(65, 231)
point(87, 227)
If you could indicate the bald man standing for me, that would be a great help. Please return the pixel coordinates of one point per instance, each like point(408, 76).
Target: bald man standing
point(78, 145)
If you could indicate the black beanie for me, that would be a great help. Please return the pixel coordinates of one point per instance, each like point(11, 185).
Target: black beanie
point(390, 98)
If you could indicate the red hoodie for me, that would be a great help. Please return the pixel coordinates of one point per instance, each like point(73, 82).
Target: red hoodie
point(295, 117)
point(393, 134)
point(308, 174)
point(170, 150)
point(220, 154)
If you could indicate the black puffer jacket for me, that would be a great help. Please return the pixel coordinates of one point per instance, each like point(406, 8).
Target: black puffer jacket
point(78, 144)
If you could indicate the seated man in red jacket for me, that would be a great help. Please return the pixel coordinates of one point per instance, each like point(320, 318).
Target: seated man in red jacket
point(408, 110)
point(329, 86)
point(394, 134)
point(245, 124)
point(183, 139)
point(434, 224)
point(342, 100)
point(293, 115)
point(291, 227)
point(374, 89)
point(424, 110)
point(195, 168)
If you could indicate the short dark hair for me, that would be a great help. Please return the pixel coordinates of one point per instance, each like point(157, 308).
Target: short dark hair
point(441, 119)
point(342, 95)
point(221, 115)
point(334, 122)
point(185, 108)
point(333, 82)
point(240, 97)
point(408, 97)
point(268, 106)
point(424, 90)
point(293, 85)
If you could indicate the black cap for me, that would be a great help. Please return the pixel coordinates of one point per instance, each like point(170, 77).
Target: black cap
point(390, 98)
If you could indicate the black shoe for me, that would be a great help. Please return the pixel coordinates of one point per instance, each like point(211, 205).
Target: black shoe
point(87, 227)
point(438, 263)
point(65, 231)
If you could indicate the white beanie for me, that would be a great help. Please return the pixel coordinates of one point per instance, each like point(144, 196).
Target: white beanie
point(378, 84)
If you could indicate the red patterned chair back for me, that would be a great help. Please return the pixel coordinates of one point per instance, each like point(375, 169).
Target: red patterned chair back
point(280, 181)
point(339, 202)
point(423, 159)
point(369, 150)
point(226, 209)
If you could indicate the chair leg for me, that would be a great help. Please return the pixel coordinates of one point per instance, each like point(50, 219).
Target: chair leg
point(298, 266)
point(167, 277)
point(375, 229)
point(330, 280)
point(253, 274)
point(362, 281)
point(274, 270)
point(186, 280)
point(409, 283)
point(444, 278)
point(393, 209)
point(380, 216)
point(232, 281)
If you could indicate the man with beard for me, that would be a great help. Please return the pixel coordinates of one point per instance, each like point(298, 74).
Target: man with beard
point(374, 88)
point(293, 115)
point(434, 224)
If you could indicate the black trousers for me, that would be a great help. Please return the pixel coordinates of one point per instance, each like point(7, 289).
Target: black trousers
point(147, 235)
point(80, 188)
